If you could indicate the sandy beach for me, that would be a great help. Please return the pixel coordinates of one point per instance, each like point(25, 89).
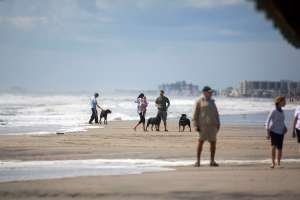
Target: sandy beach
point(118, 140)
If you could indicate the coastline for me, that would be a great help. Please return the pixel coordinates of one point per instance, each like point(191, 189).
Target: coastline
point(70, 113)
point(118, 141)
point(249, 119)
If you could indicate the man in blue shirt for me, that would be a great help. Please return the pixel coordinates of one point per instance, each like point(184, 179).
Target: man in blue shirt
point(94, 105)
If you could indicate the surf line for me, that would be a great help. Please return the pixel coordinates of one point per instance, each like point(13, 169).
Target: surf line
point(38, 170)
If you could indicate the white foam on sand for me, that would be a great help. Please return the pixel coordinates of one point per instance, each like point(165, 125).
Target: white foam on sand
point(37, 170)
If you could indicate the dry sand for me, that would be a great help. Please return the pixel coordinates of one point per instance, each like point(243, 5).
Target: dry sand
point(118, 140)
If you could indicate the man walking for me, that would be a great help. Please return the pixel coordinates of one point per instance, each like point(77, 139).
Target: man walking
point(94, 105)
point(207, 123)
point(162, 103)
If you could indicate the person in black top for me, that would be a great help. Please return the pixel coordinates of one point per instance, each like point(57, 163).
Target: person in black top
point(162, 103)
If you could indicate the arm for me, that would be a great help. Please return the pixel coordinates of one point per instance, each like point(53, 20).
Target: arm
point(269, 119)
point(294, 125)
point(168, 102)
point(218, 118)
point(98, 106)
point(138, 101)
point(156, 102)
point(196, 114)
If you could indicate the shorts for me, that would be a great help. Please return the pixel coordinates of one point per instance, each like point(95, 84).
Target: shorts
point(277, 140)
point(298, 135)
point(163, 115)
point(208, 134)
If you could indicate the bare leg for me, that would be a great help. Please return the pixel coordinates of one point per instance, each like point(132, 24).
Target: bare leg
point(165, 124)
point(279, 155)
point(142, 120)
point(213, 153)
point(273, 156)
point(199, 151)
point(137, 126)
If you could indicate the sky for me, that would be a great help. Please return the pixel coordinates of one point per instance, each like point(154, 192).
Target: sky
point(92, 45)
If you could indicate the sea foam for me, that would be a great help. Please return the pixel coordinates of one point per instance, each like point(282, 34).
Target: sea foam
point(22, 114)
point(37, 170)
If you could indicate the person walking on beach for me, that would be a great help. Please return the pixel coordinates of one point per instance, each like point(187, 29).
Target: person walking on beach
point(141, 108)
point(162, 103)
point(94, 105)
point(276, 129)
point(296, 125)
point(207, 122)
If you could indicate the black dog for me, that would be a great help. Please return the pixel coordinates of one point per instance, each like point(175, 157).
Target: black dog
point(154, 121)
point(103, 114)
point(184, 121)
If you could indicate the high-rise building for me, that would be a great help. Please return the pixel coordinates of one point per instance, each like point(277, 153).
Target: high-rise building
point(269, 88)
point(180, 88)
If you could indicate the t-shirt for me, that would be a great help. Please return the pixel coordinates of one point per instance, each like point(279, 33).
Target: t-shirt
point(93, 102)
point(142, 105)
point(297, 114)
point(162, 102)
point(275, 122)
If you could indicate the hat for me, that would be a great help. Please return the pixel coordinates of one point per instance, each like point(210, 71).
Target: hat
point(279, 99)
point(207, 89)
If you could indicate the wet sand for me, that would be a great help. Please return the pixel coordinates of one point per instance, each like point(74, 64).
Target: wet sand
point(118, 140)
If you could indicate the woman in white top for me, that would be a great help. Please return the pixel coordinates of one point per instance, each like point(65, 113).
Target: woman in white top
point(276, 129)
point(141, 108)
point(296, 124)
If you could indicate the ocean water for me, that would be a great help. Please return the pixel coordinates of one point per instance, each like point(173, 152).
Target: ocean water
point(37, 170)
point(39, 114)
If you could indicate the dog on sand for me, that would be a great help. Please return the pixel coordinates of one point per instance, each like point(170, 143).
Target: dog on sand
point(103, 115)
point(153, 121)
point(183, 122)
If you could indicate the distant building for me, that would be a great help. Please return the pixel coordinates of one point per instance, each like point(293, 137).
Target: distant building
point(270, 88)
point(180, 88)
point(230, 92)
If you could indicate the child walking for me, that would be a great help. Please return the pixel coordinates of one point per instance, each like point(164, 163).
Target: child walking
point(276, 129)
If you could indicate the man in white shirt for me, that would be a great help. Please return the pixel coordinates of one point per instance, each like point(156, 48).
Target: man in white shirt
point(94, 105)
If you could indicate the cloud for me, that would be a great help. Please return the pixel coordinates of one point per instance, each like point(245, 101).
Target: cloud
point(23, 22)
point(211, 3)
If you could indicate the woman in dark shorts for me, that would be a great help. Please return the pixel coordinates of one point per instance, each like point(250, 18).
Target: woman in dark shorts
point(296, 124)
point(141, 108)
point(276, 129)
